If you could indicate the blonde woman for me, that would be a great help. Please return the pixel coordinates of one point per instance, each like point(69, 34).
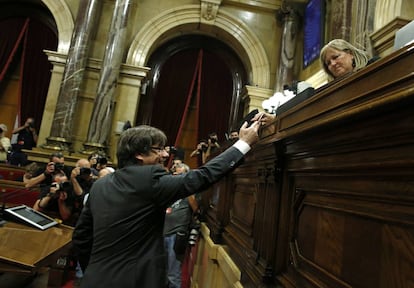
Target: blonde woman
point(340, 57)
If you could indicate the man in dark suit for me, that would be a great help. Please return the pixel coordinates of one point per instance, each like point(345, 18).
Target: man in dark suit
point(119, 235)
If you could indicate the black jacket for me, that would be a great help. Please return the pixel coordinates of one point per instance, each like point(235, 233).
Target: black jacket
point(121, 226)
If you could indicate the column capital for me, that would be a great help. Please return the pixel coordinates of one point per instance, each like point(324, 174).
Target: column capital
point(253, 97)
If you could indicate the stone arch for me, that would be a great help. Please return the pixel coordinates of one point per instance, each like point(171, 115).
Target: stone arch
point(64, 22)
point(182, 20)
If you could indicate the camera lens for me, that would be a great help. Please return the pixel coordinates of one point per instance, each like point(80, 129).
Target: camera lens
point(59, 166)
point(85, 171)
point(102, 160)
point(192, 239)
point(64, 186)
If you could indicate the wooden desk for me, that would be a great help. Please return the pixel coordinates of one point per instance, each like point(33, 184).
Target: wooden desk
point(24, 249)
point(326, 198)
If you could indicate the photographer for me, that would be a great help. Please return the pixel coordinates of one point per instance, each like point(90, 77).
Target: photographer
point(200, 152)
point(176, 157)
point(176, 230)
point(26, 139)
point(43, 177)
point(213, 145)
point(57, 200)
point(82, 178)
point(97, 162)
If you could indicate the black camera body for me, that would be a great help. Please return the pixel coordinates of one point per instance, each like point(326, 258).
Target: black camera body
point(101, 160)
point(173, 150)
point(204, 146)
point(85, 171)
point(62, 186)
point(59, 166)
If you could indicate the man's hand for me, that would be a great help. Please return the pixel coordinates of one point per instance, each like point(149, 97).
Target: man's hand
point(75, 172)
point(53, 190)
point(264, 118)
point(50, 168)
point(63, 195)
point(249, 134)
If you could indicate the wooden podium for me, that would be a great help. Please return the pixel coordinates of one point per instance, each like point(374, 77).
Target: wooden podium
point(326, 198)
point(25, 249)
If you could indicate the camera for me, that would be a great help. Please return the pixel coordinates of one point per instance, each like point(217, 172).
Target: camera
point(85, 171)
point(59, 166)
point(101, 160)
point(63, 186)
point(192, 239)
point(173, 150)
point(204, 146)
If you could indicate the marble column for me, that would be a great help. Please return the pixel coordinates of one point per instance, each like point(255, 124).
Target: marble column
point(101, 120)
point(61, 131)
point(288, 49)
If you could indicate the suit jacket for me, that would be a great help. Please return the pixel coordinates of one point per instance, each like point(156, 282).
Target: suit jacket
point(121, 226)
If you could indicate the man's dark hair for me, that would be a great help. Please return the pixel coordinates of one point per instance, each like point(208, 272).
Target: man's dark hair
point(138, 140)
point(57, 155)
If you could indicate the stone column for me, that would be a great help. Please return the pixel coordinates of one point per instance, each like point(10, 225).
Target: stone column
point(253, 97)
point(101, 121)
point(288, 49)
point(61, 131)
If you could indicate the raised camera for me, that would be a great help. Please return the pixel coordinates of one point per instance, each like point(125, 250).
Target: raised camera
point(85, 171)
point(192, 239)
point(102, 160)
point(59, 166)
point(61, 186)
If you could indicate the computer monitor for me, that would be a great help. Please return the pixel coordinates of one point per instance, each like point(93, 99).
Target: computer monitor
point(31, 216)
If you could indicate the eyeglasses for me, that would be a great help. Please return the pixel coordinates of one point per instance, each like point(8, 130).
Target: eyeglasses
point(158, 149)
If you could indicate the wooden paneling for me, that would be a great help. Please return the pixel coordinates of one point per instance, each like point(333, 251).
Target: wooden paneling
point(327, 199)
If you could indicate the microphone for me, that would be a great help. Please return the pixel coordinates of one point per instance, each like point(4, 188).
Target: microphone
point(12, 195)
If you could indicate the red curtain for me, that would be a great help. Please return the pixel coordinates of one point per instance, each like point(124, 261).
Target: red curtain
point(215, 94)
point(27, 38)
point(36, 72)
point(168, 106)
point(13, 31)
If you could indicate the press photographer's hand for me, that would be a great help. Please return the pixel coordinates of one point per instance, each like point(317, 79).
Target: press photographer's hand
point(50, 168)
point(63, 195)
point(54, 190)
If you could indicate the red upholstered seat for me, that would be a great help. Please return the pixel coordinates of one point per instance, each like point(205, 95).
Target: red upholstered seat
point(14, 192)
point(10, 172)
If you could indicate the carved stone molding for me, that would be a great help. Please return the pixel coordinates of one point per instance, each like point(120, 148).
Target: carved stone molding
point(209, 10)
point(383, 38)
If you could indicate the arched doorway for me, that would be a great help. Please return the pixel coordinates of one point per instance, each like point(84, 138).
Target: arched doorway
point(173, 66)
